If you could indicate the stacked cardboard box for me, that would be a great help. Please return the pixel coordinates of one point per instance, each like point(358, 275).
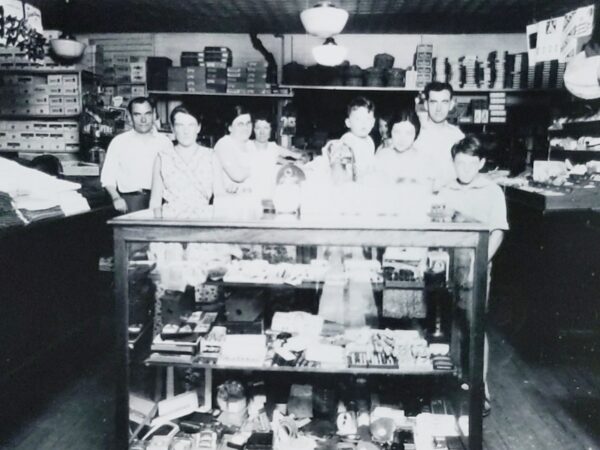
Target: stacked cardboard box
point(497, 107)
point(40, 94)
point(93, 59)
point(257, 77)
point(121, 69)
point(218, 55)
point(216, 79)
point(469, 79)
point(187, 79)
point(496, 63)
point(15, 58)
point(39, 136)
point(479, 107)
point(439, 69)
point(424, 64)
point(237, 78)
point(516, 70)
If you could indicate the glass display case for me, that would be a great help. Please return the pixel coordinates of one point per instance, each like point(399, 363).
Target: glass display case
point(354, 329)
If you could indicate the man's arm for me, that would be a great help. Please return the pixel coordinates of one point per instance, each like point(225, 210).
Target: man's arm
point(496, 238)
point(118, 201)
point(231, 162)
point(108, 179)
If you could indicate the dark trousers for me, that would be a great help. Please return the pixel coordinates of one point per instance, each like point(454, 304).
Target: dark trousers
point(137, 201)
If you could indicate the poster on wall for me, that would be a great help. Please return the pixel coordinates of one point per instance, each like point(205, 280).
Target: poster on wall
point(578, 27)
point(549, 39)
point(559, 38)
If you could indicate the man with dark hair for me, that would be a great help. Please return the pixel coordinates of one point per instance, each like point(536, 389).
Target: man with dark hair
point(437, 136)
point(127, 170)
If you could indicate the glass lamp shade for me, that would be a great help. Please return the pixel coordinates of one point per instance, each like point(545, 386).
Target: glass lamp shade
point(329, 53)
point(324, 20)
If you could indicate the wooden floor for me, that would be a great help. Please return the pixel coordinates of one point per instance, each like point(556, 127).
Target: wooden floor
point(544, 402)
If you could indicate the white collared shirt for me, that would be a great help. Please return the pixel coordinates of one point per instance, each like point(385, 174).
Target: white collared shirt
point(130, 160)
point(482, 200)
point(435, 143)
point(364, 153)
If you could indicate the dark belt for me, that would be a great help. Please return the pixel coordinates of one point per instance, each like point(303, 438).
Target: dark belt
point(140, 192)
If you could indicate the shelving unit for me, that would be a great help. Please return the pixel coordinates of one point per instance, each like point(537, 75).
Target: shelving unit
point(415, 90)
point(133, 232)
point(217, 94)
point(39, 109)
point(574, 130)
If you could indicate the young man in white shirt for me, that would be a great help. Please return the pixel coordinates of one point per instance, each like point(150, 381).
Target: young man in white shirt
point(360, 121)
point(127, 170)
point(437, 136)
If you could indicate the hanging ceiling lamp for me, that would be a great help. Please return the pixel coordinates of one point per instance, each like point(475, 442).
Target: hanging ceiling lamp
point(324, 19)
point(329, 53)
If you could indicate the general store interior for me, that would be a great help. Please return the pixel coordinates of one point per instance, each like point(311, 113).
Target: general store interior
point(62, 362)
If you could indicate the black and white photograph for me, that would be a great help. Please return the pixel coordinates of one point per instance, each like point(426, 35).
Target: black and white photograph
point(300, 224)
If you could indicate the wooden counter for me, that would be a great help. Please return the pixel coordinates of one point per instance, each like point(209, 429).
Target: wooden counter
point(546, 278)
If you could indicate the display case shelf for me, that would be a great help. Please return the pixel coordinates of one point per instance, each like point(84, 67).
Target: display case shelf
point(134, 231)
point(577, 127)
point(341, 370)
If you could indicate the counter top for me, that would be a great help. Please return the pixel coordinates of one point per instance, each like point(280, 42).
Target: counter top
point(559, 199)
point(214, 218)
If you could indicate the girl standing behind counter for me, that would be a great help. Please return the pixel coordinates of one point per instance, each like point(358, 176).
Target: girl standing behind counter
point(183, 175)
point(397, 159)
point(233, 159)
point(266, 157)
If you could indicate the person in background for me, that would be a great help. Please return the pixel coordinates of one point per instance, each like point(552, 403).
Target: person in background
point(473, 196)
point(233, 154)
point(437, 136)
point(398, 160)
point(127, 170)
point(49, 164)
point(183, 174)
point(582, 74)
point(265, 157)
point(382, 137)
point(360, 121)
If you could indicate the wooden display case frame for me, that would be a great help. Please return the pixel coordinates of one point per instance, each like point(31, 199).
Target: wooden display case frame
point(141, 227)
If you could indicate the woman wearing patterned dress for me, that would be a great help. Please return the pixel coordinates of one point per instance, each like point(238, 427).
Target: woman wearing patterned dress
point(184, 174)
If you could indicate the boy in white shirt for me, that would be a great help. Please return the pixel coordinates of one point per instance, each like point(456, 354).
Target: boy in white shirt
point(360, 121)
point(473, 196)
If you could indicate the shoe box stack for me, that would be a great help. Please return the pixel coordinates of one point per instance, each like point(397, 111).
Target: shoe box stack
point(497, 107)
point(125, 67)
point(424, 64)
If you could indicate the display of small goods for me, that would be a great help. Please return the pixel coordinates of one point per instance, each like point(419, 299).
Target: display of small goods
point(578, 130)
point(220, 307)
point(309, 417)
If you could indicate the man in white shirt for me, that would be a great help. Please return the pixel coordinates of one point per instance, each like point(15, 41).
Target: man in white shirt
point(437, 136)
point(127, 170)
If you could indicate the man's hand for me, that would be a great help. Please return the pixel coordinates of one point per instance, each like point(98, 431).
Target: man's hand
point(119, 204)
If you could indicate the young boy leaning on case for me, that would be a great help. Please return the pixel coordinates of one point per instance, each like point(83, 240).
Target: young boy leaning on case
point(472, 196)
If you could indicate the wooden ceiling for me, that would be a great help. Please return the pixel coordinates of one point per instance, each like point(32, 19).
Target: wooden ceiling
point(282, 16)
